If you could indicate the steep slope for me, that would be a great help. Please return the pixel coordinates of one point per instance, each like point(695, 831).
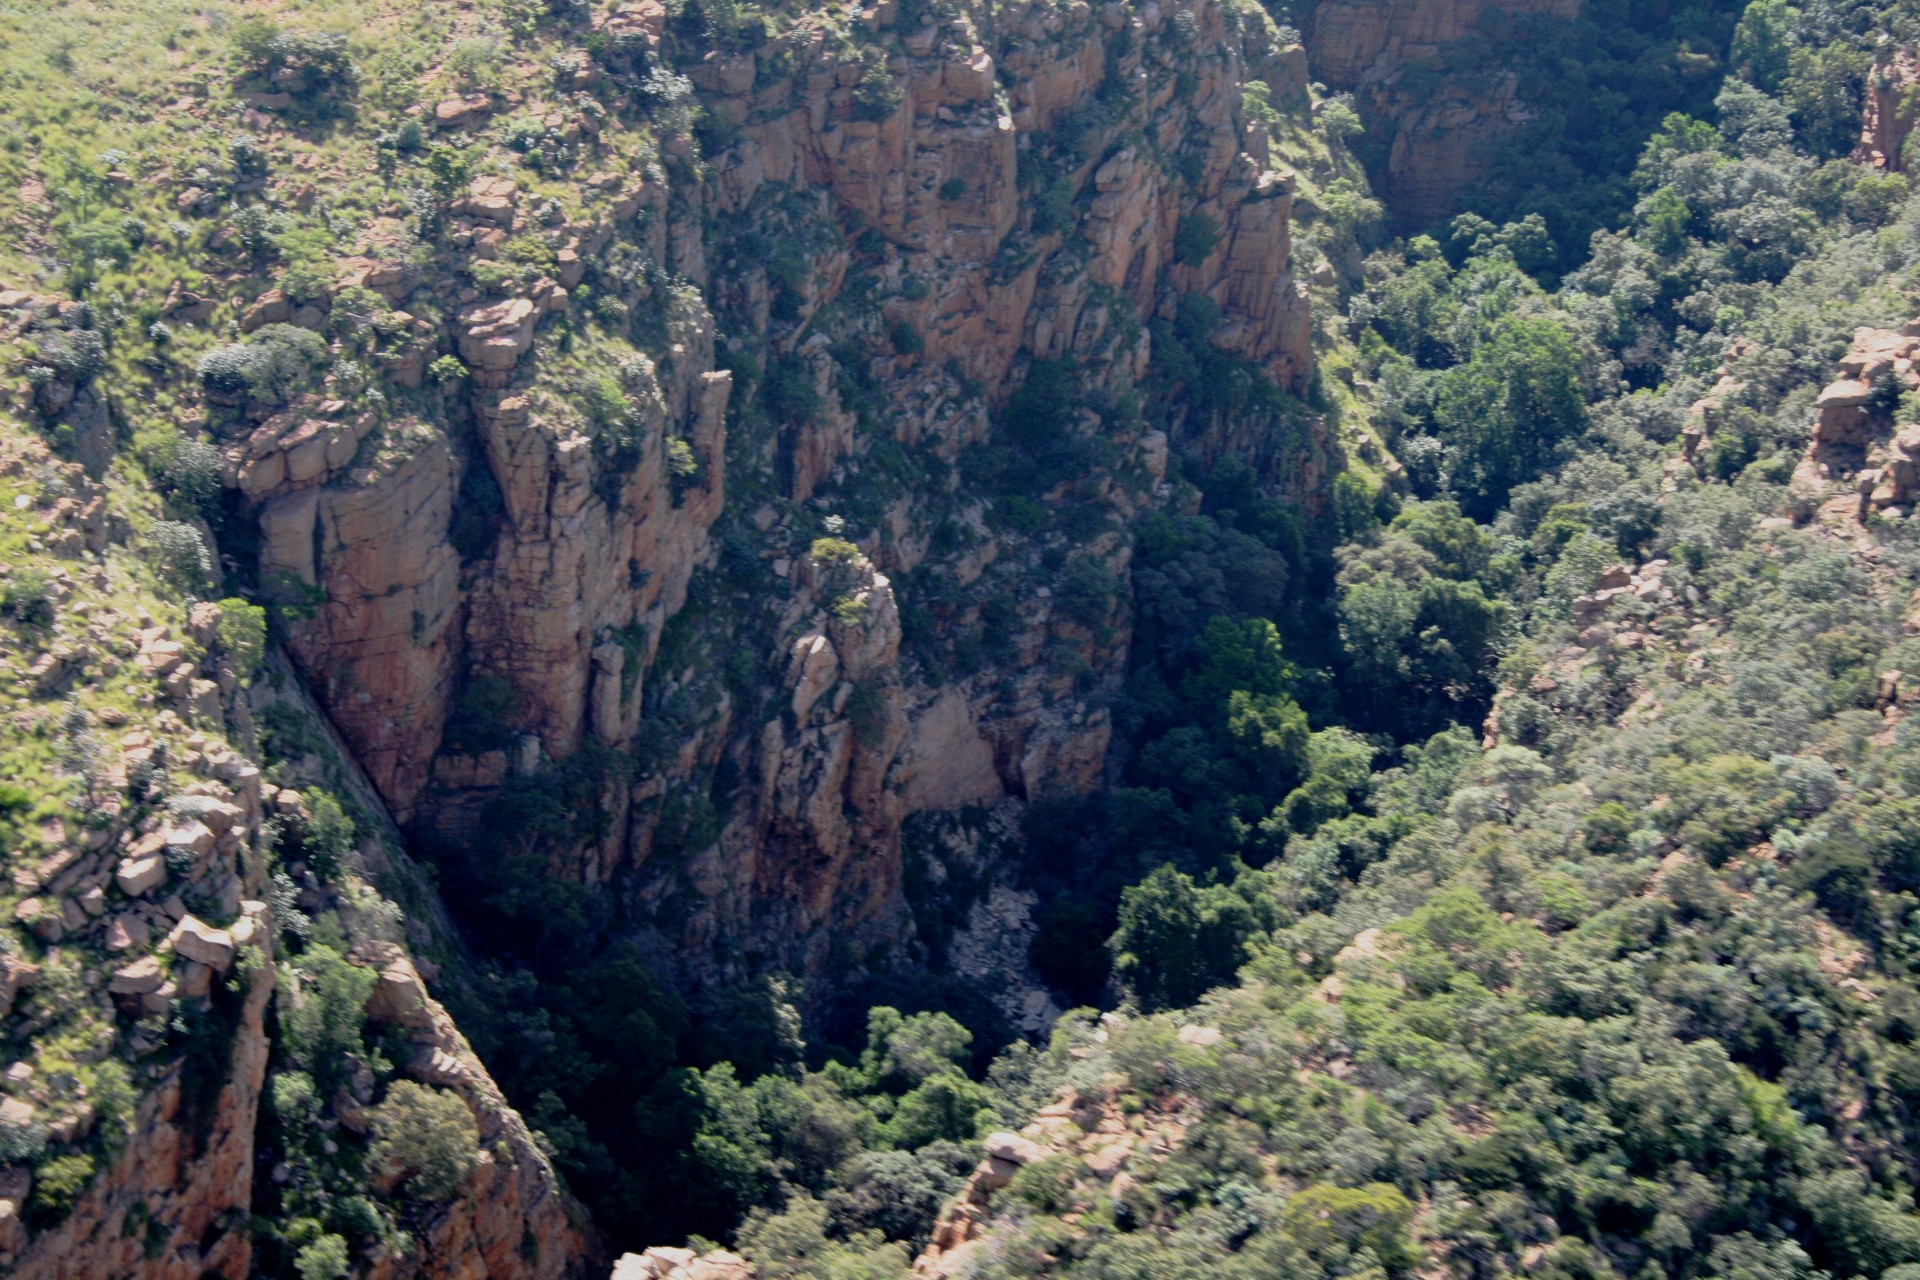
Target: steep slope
point(149, 922)
point(652, 479)
point(1509, 108)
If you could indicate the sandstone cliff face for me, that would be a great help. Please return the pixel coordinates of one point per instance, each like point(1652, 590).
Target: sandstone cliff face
point(1890, 112)
point(1443, 136)
point(173, 1205)
point(136, 980)
point(919, 212)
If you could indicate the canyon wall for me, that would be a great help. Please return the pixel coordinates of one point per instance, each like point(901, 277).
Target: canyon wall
point(974, 193)
point(1444, 128)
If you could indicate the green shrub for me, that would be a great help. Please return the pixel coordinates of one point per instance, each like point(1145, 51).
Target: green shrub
point(268, 369)
point(324, 1258)
point(242, 635)
point(77, 356)
point(190, 470)
point(327, 838)
point(834, 551)
point(1195, 237)
point(1332, 1222)
point(682, 465)
point(474, 63)
point(426, 1135)
point(316, 69)
point(57, 1185)
point(1046, 1185)
point(27, 598)
point(877, 95)
point(180, 556)
point(323, 1007)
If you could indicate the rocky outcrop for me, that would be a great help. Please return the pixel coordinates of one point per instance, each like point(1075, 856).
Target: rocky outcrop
point(511, 1220)
point(683, 1264)
point(1889, 112)
point(1444, 136)
point(173, 1205)
point(1861, 460)
point(133, 920)
point(1089, 1131)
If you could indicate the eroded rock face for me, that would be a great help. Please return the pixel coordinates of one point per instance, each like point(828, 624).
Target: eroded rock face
point(1862, 459)
point(1444, 136)
point(510, 1220)
point(182, 1181)
point(593, 532)
point(1890, 112)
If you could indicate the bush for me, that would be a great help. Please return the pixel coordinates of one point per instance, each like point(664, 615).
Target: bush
point(877, 95)
point(190, 470)
point(426, 1135)
point(474, 63)
point(77, 356)
point(834, 551)
point(1195, 237)
point(1329, 1222)
point(20, 1144)
point(267, 370)
point(28, 599)
point(323, 1259)
point(242, 633)
point(328, 837)
point(57, 1184)
point(180, 556)
point(682, 465)
point(447, 369)
point(323, 1007)
point(317, 70)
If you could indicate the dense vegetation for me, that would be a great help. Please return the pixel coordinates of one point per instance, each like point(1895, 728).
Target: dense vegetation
point(1633, 992)
point(1631, 989)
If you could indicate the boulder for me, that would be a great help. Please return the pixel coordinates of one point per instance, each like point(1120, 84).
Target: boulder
point(197, 940)
point(139, 978)
point(1013, 1148)
point(16, 975)
point(137, 877)
point(399, 998)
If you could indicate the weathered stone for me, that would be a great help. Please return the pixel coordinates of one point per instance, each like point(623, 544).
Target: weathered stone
point(139, 978)
point(196, 940)
point(137, 877)
point(1013, 1148)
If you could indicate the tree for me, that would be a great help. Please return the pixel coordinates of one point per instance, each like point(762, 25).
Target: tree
point(1177, 939)
point(180, 556)
point(1824, 88)
point(242, 634)
point(1329, 1221)
point(1763, 42)
point(946, 1106)
point(1269, 735)
point(323, 1007)
point(325, 1258)
point(1244, 656)
point(426, 1136)
point(1504, 410)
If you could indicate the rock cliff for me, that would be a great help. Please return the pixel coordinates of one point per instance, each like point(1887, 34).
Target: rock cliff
point(1443, 135)
point(893, 222)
